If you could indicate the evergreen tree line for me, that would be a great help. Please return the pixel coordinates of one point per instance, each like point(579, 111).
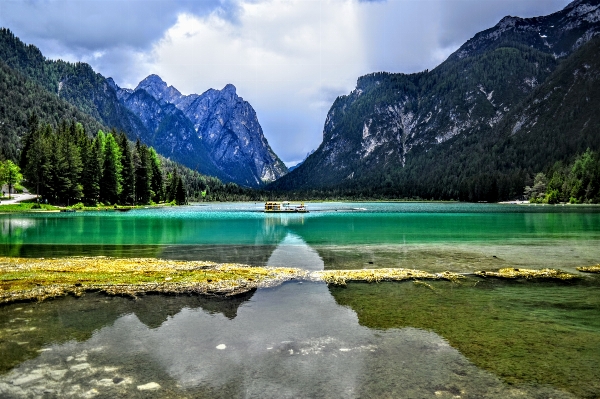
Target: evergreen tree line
point(66, 166)
point(576, 183)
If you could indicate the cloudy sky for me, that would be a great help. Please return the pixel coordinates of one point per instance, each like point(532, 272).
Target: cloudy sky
point(289, 58)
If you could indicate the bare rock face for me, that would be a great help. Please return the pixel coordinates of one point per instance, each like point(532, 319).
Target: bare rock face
point(392, 118)
point(226, 125)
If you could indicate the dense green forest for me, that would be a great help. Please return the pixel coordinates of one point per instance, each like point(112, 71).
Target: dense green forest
point(576, 183)
point(26, 89)
point(66, 166)
point(94, 96)
point(19, 98)
point(76, 83)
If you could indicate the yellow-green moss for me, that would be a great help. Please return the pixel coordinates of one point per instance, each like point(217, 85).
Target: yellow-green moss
point(512, 273)
point(23, 279)
point(340, 277)
point(589, 269)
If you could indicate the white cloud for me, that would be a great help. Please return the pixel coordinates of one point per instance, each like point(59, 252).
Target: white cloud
point(286, 58)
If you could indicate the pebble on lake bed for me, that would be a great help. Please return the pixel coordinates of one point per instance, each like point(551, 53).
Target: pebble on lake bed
point(151, 386)
point(221, 346)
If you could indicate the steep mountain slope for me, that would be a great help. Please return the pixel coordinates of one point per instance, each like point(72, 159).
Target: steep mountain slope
point(226, 124)
point(171, 133)
point(19, 97)
point(76, 83)
point(561, 116)
point(394, 129)
point(242, 154)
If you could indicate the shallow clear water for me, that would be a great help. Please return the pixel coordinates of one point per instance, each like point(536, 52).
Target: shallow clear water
point(475, 339)
point(430, 236)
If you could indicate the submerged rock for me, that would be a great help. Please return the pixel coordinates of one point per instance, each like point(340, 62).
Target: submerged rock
point(151, 386)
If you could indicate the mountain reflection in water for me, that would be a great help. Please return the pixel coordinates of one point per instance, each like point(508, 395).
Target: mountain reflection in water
point(291, 341)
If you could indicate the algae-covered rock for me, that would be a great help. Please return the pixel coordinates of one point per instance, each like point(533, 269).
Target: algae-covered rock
point(512, 273)
point(340, 277)
point(590, 269)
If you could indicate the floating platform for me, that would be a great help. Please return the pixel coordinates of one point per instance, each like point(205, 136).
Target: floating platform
point(284, 207)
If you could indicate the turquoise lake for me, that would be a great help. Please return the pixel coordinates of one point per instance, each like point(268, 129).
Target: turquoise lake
point(473, 339)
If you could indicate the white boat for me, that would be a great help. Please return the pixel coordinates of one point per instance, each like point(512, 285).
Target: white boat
point(284, 207)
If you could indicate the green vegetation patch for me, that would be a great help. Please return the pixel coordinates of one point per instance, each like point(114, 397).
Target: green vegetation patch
point(533, 332)
point(38, 279)
point(26, 207)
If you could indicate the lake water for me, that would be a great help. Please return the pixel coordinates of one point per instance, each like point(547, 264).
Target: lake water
point(475, 339)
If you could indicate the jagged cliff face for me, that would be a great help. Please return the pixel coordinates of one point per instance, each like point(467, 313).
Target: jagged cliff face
point(168, 130)
point(226, 125)
point(390, 118)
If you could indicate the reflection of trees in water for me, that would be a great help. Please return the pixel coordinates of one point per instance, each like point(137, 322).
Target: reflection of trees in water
point(294, 252)
point(14, 227)
point(109, 229)
point(295, 340)
point(13, 232)
point(249, 241)
point(154, 310)
point(253, 255)
point(62, 250)
point(25, 328)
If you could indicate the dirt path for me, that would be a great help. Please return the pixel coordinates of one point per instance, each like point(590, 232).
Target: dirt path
point(17, 198)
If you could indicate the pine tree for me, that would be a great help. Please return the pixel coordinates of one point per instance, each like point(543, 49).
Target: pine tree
point(156, 185)
point(68, 142)
point(34, 160)
point(28, 139)
point(58, 182)
point(128, 174)
point(180, 197)
point(110, 184)
point(92, 172)
point(173, 178)
point(142, 174)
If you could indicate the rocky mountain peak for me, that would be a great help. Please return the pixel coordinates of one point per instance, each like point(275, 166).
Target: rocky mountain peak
point(225, 124)
point(580, 7)
point(229, 88)
point(157, 88)
point(559, 33)
point(385, 130)
point(508, 21)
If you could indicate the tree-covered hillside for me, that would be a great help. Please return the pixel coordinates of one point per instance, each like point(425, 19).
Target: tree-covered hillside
point(478, 127)
point(26, 106)
point(19, 98)
point(228, 144)
point(91, 93)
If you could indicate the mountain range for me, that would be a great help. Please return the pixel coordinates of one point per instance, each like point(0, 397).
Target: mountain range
point(218, 120)
point(510, 102)
point(216, 133)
